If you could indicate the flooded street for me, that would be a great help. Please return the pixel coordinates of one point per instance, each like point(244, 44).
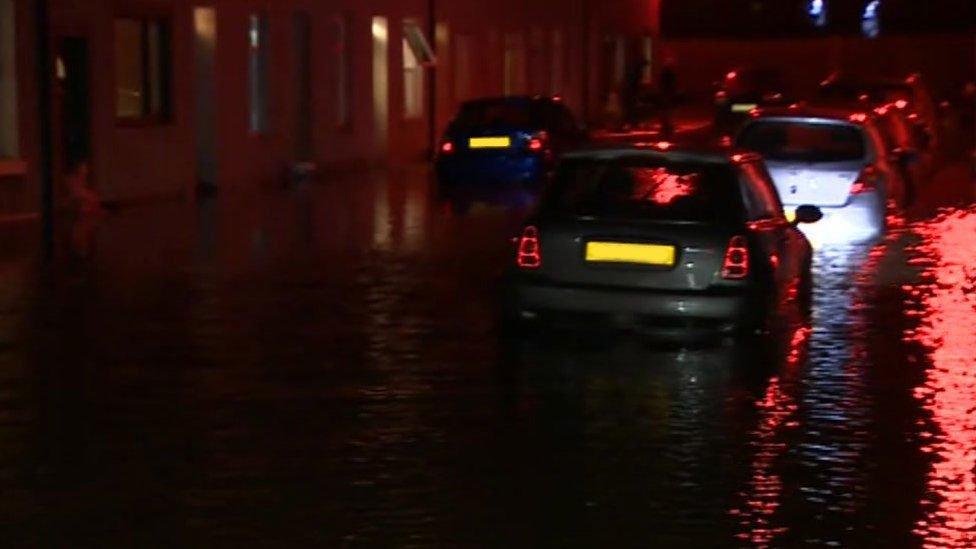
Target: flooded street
point(321, 366)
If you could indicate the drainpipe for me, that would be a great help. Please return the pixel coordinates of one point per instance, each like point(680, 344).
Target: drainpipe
point(45, 140)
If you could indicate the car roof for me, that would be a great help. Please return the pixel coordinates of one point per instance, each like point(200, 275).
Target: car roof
point(850, 113)
point(661, 150)
point(859, 81)
point(510, 99)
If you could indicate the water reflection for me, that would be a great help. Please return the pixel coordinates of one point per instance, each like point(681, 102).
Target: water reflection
point(944, 302)
point(648, 438)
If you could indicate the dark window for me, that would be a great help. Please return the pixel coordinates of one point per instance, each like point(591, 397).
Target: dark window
point(142, 69)
point(500, 115)
point(804, 142)
point(759, 194)
point(645, 188)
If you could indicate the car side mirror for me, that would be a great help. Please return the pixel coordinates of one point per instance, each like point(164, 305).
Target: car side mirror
point(807, 214)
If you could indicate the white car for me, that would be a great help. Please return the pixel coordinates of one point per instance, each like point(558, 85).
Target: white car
point(832, 158)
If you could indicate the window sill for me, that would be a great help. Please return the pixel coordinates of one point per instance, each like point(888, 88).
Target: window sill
point(12, 167)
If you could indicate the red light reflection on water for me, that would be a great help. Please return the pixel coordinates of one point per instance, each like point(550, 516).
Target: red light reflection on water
point(757, 513)
point(946, 302)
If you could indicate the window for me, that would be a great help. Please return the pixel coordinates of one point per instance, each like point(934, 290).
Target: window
point(142, 63)
point(257, 66)
point(416, 53)
point(870, 21)
point(647, 55)
point(759, 195)
point(343, 65)
point(644, 188)
point(817, 10)
point(8, 83)
point(804, 142)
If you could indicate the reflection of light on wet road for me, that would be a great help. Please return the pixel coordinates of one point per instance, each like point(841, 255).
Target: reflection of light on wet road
point(945, 302)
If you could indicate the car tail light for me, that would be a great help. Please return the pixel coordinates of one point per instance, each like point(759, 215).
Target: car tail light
point(447, 147)
point(866, 182)
point(736, 266)
point(538, 142)
point(529, 255)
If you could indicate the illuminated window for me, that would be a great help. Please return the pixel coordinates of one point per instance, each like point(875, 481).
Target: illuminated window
point(8, 82)
point(870, 21)
point(257, 66)
point(416, 53)
point(142, 61)
point(343, 49)
point(817, 10)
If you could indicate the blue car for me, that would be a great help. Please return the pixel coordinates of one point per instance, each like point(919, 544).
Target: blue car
point(505, 140)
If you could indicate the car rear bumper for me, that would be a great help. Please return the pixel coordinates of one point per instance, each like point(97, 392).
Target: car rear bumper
point(490, 168)
point(722, 312)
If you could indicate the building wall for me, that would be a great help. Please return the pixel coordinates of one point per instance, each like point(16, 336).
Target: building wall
point(149, 160)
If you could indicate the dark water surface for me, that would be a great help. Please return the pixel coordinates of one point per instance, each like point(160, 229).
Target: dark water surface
point(320, 367)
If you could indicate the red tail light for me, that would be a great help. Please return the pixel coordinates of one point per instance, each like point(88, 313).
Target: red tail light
point(447, 147)
point(538, 142)
point(736, 266)
point(529, 255)
point(866, 182)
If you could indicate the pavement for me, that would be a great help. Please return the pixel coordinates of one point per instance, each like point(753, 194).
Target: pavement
point(320, 366)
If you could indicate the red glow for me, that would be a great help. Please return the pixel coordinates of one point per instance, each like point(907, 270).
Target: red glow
point(447, 147)
point(755, 113)
point(858, 117)
point(866, 182)
point(738, 158)
point(725, 141)
point(946, 302)
point(732, 75)
point(901, 104)
point(736, 265)
point(529, 254)
point(662, 187)
point(663, 145)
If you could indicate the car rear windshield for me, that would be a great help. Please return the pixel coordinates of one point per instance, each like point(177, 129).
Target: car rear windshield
point(645, 189)
point(498, 114)
point(803, 141)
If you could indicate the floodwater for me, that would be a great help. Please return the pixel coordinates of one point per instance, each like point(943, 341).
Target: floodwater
point(320, 366)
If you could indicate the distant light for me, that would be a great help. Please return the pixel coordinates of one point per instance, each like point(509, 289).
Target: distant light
point(738, 158)
point(858, 117)
point(732, 75)
point(663, 145)
point(901, 104)
point(870, 22)
point(817, 9)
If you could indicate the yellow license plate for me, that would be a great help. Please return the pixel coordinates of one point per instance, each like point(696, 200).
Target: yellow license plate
point(490, 142)
point(744, 107)
point(621, 252)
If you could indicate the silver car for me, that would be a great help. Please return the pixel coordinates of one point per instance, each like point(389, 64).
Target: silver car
point(833, 158)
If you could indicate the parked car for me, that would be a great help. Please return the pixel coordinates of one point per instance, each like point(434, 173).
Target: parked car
point(914, 157)
point(834, 158)
point(744, 89)
point(910, 94)
point(506, 140)
point(676, 240)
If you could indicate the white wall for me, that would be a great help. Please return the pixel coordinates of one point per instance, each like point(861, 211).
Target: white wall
point(8, 85)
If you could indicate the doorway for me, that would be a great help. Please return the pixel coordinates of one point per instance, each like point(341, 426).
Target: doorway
point(205, 46)
point(381, 86)
point(73, 105)
point(302, 47)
